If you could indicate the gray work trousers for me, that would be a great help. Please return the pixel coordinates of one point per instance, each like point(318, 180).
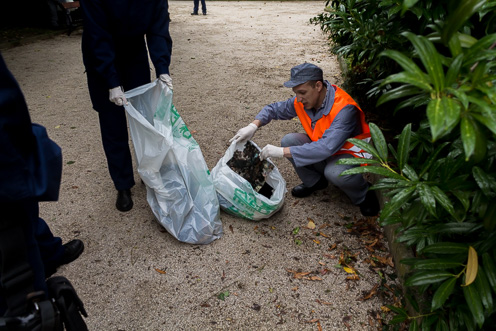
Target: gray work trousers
point(354, 186)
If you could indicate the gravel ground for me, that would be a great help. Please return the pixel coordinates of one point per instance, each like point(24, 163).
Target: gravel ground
point(274, 274)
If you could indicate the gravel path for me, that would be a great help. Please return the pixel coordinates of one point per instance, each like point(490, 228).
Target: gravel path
point(133, 275)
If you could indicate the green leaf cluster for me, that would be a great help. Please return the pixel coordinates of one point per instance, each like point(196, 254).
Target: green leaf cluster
point(435, 59)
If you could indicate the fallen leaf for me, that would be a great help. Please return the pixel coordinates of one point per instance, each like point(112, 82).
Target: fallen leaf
point(349, 270)
point(295, 288)
point(57, 127)
point(333, 246)
point(346, 319)
point(160, 271)
point(231, 228)
point(323, 302)
point(316, 241)
point(315, 320)
point(318, 326)
point(296, 202)
point(323, 235)
point(353, 277)
point(206, 305)
point(315, 278)
point(385, 309)
point(322, 263)
point(311, 224)
point(223, 295)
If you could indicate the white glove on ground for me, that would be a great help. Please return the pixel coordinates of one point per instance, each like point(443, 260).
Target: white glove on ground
point(167, 80)
point(117, 96)
point(271, 151)
point(245, 133)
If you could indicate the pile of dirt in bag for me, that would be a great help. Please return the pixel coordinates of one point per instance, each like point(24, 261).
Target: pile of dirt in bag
point(247, 164)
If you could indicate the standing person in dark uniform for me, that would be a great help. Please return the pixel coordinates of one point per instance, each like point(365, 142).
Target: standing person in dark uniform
point(30, 171)
point(116, 60)
point(196, 4)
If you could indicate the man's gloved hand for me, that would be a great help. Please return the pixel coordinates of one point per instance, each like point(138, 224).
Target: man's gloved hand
point(167, 80)
point(117, 96)
point(271, 151)
point(245, 133)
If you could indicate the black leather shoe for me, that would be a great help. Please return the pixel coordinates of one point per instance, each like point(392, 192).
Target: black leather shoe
point(205, 13)
point(72, 250)
point(301, 191)
point(194, 13)
point(124, 201)
point(370, 206)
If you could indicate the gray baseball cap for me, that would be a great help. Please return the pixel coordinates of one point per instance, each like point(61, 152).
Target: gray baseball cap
point(304, 72)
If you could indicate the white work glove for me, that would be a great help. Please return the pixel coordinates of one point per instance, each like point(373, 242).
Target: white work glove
point(167, 80)
point(245, 133)
point(117, 96)
point(271, 151)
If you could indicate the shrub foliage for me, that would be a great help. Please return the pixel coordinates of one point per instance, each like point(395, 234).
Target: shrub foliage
point(434, 59)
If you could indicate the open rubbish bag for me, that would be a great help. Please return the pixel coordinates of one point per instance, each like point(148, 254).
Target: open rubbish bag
point(179, 186)
point(237, 196)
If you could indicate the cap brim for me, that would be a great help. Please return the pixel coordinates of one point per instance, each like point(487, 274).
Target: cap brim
point(291, 84)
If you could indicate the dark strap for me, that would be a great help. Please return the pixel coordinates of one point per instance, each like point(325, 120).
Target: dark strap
point(67, 301)
point(16, 274)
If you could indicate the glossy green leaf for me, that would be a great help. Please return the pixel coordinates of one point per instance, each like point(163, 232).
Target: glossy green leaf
point(404, 61)
point(427, 198)
point(396, 202)
point(398, 93)
point(404, 146)
point(366, 147)
point(372, 169)
point(443, 115)
point(427, 277)
point(458, 17)
point(485, 181)
point(430, 59)
point(420, 81)
point(454, 70)
point(466, 40)
point(433, 264)
point(449, 248)
point(490, 269)
point(443, 293)
point(474, 303)
point(379, 141)
point(481, 45)
point(467, 131)
point(357, 161)
point(432, 158)
point(457, 227)
point(443, 200)
point(413, 326)
point(482, 285)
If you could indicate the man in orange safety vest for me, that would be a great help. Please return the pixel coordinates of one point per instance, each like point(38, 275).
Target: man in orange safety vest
point(330, 117)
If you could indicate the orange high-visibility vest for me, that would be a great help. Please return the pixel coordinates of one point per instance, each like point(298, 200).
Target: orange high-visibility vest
point(341, 100)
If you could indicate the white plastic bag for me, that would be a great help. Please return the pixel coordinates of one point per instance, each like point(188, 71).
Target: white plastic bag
point(237, 196)
point(179, 186)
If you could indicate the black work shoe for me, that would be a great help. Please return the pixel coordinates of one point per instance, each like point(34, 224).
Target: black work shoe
point(194, 13)
point(124, 201)
point(301, 191)
point(370, 206)
point(205, 13)
point(72, 250)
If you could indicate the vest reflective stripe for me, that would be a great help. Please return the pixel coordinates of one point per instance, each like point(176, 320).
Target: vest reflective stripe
point(341, 100)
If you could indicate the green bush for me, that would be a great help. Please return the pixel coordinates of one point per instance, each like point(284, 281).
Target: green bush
point(439, 173)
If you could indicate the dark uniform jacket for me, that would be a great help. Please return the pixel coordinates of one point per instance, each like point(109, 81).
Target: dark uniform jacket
point(114, 47)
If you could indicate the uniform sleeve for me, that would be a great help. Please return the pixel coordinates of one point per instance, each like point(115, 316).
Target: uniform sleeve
point(343, 127)
point(98, 41)
point(282, 110)
point(159, 40)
